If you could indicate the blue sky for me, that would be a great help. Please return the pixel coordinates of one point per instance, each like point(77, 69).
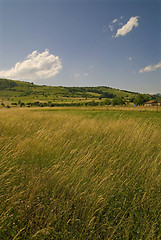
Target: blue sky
point(82, 43)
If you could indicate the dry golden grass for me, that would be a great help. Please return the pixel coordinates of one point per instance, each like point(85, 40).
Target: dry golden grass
point(67, 176)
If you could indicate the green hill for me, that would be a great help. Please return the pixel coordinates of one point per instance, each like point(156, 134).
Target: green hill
point(13, 92)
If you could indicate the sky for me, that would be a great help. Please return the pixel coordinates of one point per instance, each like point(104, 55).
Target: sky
point(114, 43)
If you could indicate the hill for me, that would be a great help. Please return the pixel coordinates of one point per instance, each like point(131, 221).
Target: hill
point(16, 92)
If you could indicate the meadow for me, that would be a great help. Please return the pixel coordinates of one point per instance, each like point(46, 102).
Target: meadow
point(80, 173)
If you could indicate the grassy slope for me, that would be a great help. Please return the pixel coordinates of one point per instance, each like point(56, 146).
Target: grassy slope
point(15, 91)
point(25, 91)
point(88, 174)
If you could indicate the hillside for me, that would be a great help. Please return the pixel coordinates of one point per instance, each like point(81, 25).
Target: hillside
point(13, 92)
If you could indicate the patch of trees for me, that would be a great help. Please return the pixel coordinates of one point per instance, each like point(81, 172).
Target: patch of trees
point(106, 102)
point(156, 97)
point(118, 101)
point(62, 104)
point(84, 92)
point(85, 89)
point(141, 99)
point(108, 95)
point(79, 89)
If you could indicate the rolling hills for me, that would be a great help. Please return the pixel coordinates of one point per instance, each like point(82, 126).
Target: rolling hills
point(25, 93)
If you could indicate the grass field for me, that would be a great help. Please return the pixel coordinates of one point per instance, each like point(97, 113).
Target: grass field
point(84, 173)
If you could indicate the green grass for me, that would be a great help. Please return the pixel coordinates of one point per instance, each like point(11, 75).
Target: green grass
point(74, 174)
point(150, 115)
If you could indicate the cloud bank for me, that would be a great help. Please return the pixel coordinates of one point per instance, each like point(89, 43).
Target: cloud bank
point(35, 66)
point(133, 22)
point(150, 68)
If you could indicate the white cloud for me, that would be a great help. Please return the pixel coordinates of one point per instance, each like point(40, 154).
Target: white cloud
point(133, 22)
point(150, 68)
point(130, 58)
point(114, 21)
point(111, 28)
point(35, 66)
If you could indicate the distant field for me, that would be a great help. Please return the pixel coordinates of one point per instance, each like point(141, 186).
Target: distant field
point(80, 173)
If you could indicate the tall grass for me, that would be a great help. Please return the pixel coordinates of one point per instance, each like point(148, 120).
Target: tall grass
point(65, 176)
